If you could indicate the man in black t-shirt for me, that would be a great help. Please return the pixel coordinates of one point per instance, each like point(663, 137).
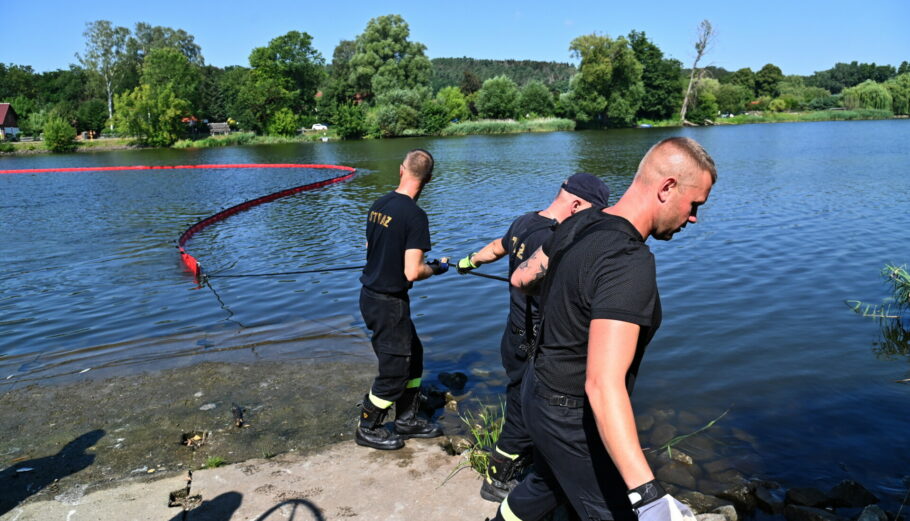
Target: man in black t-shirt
point(524, 236)
point(398, 236)
point(600, 307)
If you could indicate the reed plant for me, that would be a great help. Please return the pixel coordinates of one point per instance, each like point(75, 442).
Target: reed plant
point(485, 427)
point(507, 126)
point(894, 307)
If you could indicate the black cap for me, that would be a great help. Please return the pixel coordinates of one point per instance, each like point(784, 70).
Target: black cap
point(588, 187)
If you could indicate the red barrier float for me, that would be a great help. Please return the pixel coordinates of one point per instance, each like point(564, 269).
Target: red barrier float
point(188, 260)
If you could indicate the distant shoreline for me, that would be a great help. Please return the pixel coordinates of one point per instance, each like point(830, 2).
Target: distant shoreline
point(483, 127)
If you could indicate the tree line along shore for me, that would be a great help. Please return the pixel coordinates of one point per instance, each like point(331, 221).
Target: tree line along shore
point(150, 86)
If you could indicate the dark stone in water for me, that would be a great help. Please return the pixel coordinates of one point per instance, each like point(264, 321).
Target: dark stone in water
point(454, 381)
point(661, 434)
point(873, 513)
point(742, 495)
point(717, 466)
point(433, 400)
point(677, 473)
point(803, 513)
point(808, 496)
point(700, 503)
point(849, 493)
point(644, 422)
point(768, 500)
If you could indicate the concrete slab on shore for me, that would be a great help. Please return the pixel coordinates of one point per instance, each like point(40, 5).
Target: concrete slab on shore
point(336, 483)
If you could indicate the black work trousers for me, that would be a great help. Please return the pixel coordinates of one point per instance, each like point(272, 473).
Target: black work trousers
point(570, 461)
point(514, 438)
point(395, 341)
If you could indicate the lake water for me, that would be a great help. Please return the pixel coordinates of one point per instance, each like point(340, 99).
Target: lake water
point(802, 218)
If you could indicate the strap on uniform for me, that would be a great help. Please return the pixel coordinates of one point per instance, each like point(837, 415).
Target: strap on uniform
point(599, 225)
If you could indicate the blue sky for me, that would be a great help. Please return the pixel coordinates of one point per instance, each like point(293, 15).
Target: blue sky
point(798, 36)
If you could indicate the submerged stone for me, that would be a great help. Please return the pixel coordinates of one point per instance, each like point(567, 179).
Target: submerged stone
point(678, 474)
point(803, 513)
point(728, 511)
point(661, 434)
point(873, 513)
point(807, 496)
point(701, 503)
point(768, 500)
point(849, 493)
point(742, 495)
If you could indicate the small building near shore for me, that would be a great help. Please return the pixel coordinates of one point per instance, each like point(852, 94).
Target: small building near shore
point(9, 121)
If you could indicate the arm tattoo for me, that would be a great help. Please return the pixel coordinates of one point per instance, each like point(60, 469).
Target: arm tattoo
point(532, 287)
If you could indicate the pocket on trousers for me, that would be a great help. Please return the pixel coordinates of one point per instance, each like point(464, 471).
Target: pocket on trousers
point(395, 337)
point(596, 511)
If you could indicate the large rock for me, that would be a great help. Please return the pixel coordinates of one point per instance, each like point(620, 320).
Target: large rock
point(710, 517)
point(677, 473)
point(701, 503)
point(808, 497)
point(644, 422)
point(728, 511)
point(801, 513)
point(661, 434)
point(768, 500)
point(742, 496)
point(873, 513)
point(851, 494)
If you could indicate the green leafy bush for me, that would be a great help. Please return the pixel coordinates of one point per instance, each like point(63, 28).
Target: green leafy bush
point(59, 136)
point(867, 95)
point(498, 99)
point(283, 123)
point(350, 121)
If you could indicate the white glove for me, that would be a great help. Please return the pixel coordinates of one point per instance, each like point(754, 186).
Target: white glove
point(665, 508)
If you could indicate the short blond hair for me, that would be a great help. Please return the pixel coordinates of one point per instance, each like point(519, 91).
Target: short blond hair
point(690, 148)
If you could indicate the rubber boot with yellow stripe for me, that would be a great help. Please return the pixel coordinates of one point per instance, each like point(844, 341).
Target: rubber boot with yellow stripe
point(500, 476)
point(371, 432)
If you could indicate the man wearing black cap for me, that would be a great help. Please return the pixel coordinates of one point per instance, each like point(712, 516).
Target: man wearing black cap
point(524, 236)
point(600, 307)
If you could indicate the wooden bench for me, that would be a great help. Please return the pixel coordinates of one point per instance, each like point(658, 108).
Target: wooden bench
point(219, 128)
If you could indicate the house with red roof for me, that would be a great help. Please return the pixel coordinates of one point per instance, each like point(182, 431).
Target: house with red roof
point(9, 121)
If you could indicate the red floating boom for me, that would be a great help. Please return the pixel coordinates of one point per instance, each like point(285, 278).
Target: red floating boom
point(193, 265)
point(188, 260)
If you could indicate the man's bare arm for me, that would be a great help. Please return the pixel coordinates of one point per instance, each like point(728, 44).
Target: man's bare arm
point(489, 253)
point(529, 274)
point(415, 267)
point(611, 349)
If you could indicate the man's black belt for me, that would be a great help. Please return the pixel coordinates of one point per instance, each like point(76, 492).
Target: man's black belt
point(560, 400)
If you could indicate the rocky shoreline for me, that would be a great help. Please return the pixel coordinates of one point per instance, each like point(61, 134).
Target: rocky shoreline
point(61, 444)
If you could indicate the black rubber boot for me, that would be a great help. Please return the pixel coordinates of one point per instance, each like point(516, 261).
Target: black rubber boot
point(500, 477)
point(371, 432)
point(408, 423)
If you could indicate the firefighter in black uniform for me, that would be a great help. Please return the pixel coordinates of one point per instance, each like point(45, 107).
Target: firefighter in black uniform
point(527, 233)
point(398, 235)
point(599, 309)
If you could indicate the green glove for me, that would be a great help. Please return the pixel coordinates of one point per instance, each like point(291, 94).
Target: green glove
point(465, 265)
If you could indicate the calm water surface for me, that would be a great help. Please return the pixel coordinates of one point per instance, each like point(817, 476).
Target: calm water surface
point(802, 218)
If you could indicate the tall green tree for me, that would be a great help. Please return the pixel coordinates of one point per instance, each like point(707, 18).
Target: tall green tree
point(867, 95)
point(168, 66)
point(660, 79)
point(454, 103)
point(151, 115)
point(608, 88)
point(284, 75)
point(386, 60)
point(535, 99)
point(105, 49)
point(767, 80)
point(498, 98)
point(292, 59)
point(899, 88)
point(731, 98)
point(744, 77)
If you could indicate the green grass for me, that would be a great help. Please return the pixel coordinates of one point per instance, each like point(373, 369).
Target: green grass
point(214, 462)
point(820, 115)
point(899, 279)
point(507, 126)
point(485, 427)
point(672, 443)
point(249, 138)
